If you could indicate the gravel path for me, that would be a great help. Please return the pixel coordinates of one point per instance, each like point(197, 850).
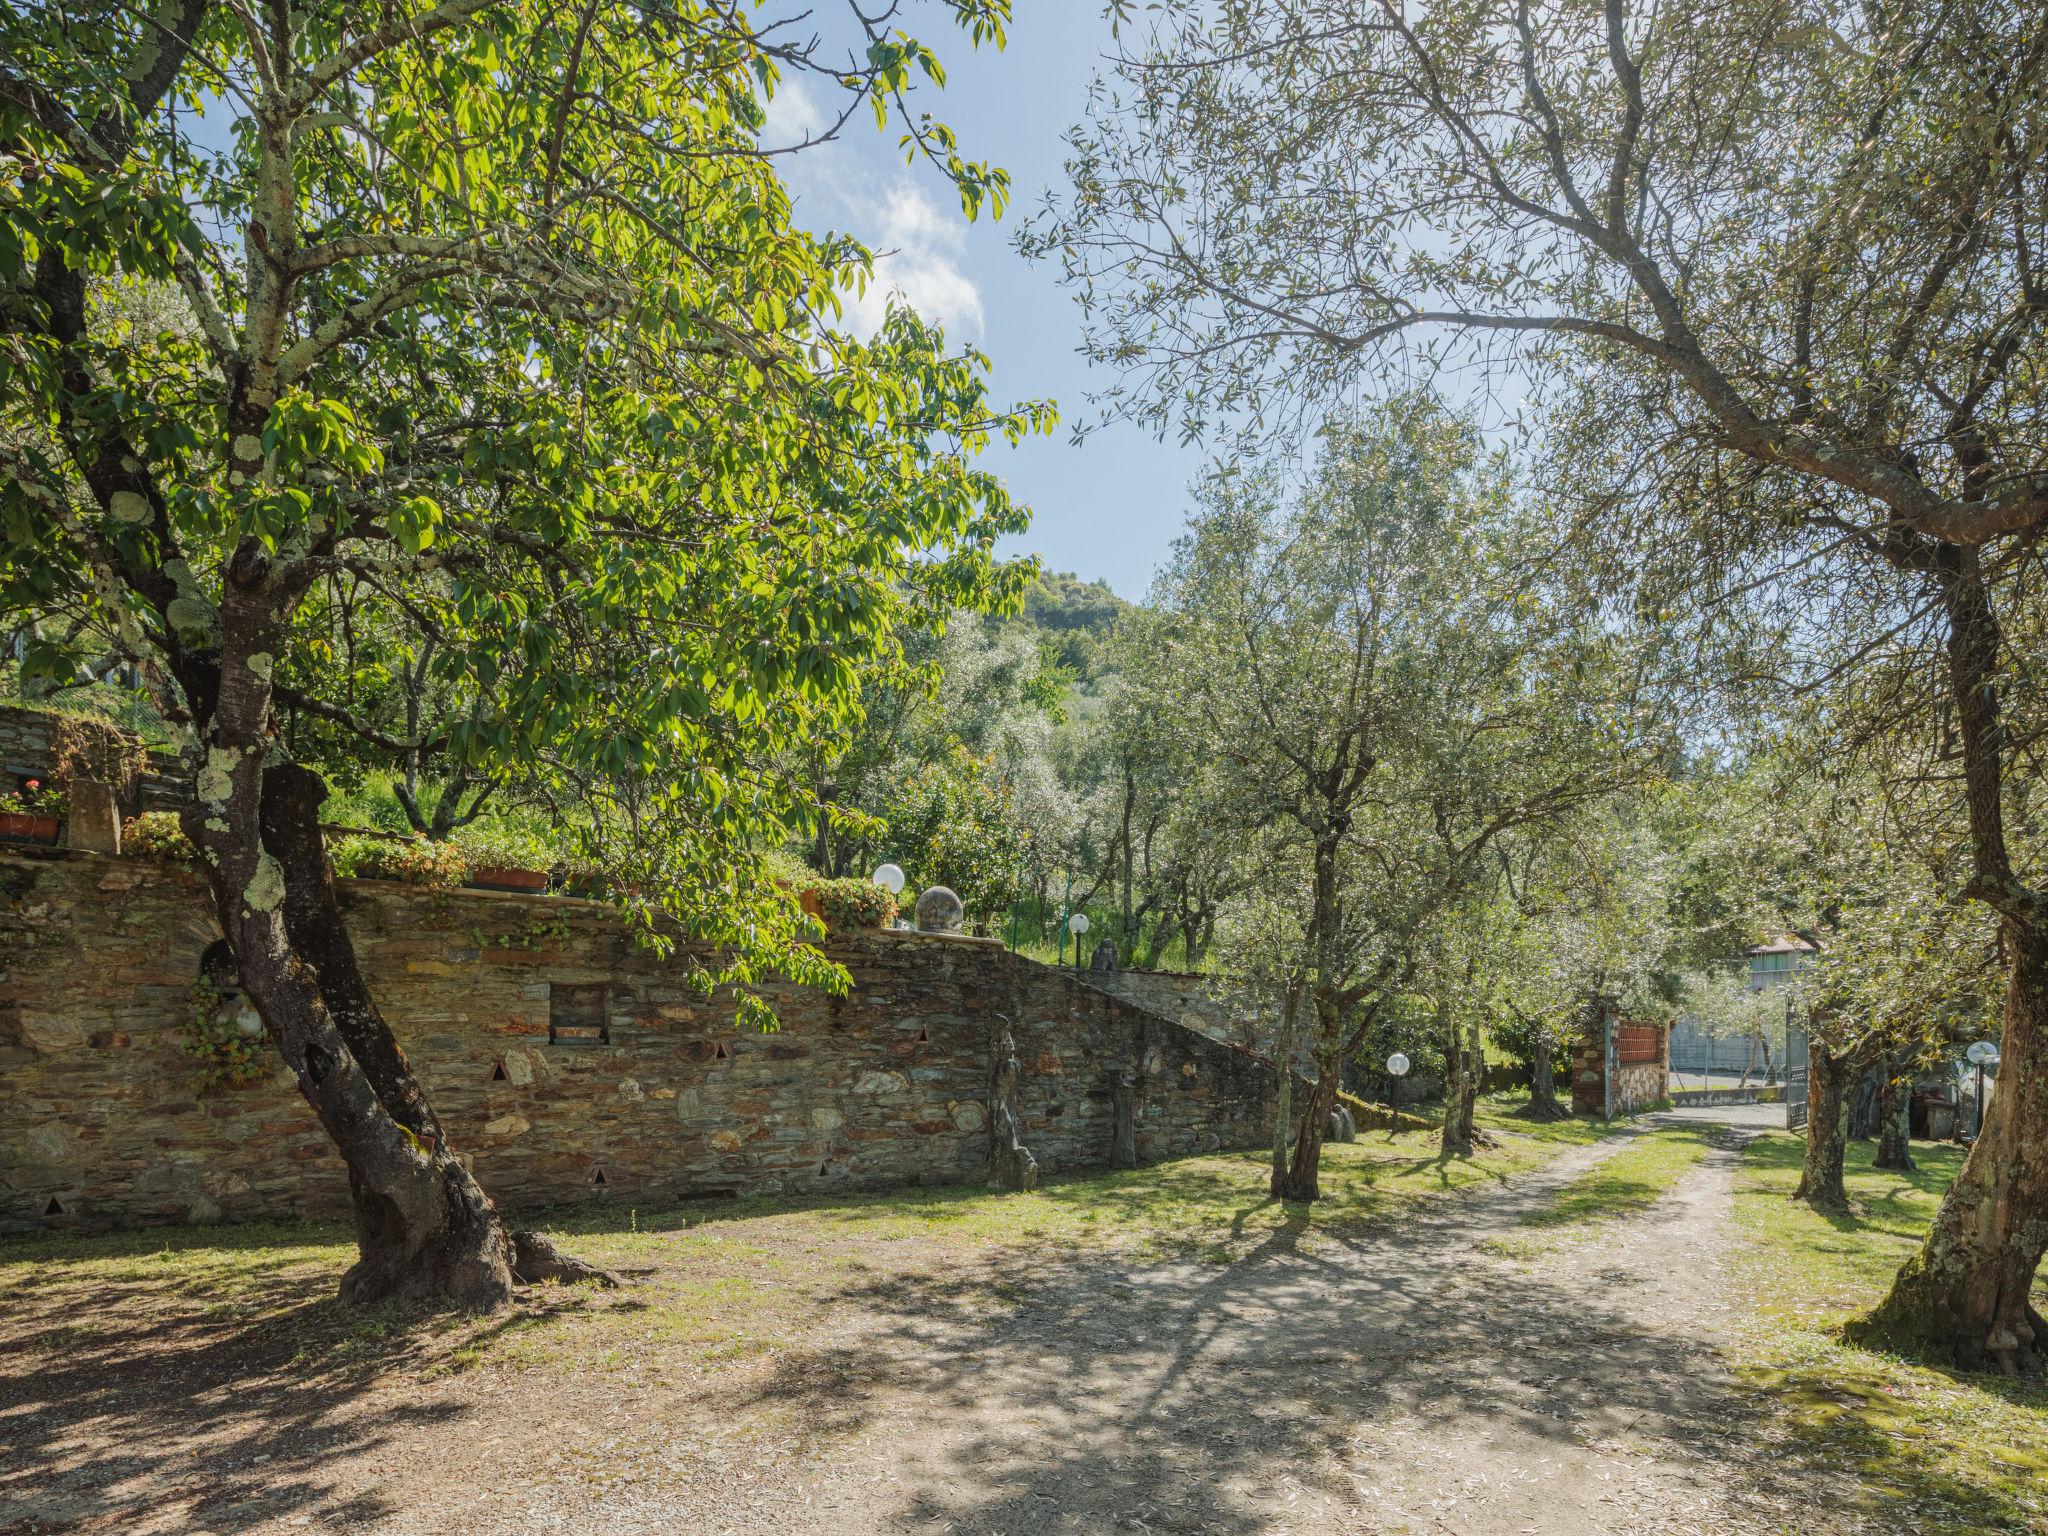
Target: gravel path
point(1408, 1382)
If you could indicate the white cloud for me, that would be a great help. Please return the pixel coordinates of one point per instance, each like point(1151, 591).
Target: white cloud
point(792, 116)
point(917, 252)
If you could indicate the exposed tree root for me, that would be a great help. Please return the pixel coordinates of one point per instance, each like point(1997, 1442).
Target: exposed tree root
point(535, 1259)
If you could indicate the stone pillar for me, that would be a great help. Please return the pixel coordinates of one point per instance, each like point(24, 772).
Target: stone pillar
point(1011, 1167)
point(1123, 1146)
point(93, 823)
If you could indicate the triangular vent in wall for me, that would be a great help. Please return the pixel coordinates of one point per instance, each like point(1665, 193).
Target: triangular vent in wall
point(54, 1208)
point(597, 1178)
point(498, 1072)
point(723, 1054)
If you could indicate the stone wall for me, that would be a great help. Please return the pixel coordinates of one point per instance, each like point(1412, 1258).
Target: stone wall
point(100, 1123)
point(1221, 1007)
point(39, 744)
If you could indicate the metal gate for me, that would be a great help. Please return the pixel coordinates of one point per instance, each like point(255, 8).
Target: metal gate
point(1795, 1077)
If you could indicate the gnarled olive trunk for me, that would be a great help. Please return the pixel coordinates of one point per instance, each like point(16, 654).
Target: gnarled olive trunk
point(1543, 1102)
point(1829, 1077)
point(1465, 1071)
point(1301, 1178)
point(1964, 1296)
point(1894, 1129)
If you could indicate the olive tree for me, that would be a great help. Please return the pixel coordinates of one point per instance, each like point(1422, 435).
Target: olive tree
point(486, 319)
point(1791, 252)
point(1384, 686)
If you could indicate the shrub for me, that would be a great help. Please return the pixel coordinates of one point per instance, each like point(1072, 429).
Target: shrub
point(212, 1037)
point(439, 866)
point(852, 904)
point(505, 845)
point(846, 904)
point(157, 835)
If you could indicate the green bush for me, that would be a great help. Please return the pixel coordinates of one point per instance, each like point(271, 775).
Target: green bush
point(505, 845)
point(438, 866)
point(846, 904)
point(157, 835)
point(853, 904)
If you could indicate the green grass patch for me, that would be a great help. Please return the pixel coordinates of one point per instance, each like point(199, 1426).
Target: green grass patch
point(718, 1282)
point(1632, 1180)
point(1939, 1451)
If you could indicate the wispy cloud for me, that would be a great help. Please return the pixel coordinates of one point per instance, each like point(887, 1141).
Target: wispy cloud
point(917, 255)
point(793, 116)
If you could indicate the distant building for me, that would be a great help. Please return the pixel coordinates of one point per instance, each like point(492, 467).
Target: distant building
point(1774, 964)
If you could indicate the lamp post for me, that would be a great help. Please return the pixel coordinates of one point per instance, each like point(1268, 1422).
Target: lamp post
point(1983, 1054)
point(1397, 1068)
point(890, 878)
point(1077, 924)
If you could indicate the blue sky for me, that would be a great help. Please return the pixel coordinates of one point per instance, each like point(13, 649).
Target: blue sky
point(1108, 508)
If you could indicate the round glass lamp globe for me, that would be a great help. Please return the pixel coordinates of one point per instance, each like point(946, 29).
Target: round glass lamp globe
point(1398, 1064)
point(890, 878)
point(1078, 923)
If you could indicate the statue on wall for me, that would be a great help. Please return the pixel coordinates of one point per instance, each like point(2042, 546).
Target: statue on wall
point(1104, 958)
point(1011, 1167)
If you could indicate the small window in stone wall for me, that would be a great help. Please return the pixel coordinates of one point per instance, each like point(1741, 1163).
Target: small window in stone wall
point(579, 1015)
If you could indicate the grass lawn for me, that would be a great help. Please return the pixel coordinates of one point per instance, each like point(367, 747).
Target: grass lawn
point(1943, 1452)
point(1630, 1181)
point(716, 1281)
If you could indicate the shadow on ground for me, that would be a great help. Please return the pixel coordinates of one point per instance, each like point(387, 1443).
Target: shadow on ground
point(1006, 1389)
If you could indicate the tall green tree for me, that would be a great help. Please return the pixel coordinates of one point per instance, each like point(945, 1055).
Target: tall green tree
point(492, 323)
point(1789, 253)
point(1386, 690)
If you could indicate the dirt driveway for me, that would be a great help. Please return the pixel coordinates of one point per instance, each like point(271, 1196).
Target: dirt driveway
point(1413, 1381)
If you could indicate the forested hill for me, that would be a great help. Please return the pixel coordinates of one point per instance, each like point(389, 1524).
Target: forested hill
point(1075, 617)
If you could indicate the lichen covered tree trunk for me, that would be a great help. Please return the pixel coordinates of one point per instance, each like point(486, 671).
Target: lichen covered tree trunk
point(1301, 1178)
point(1964, 1297)
point(1543, 1101)
point(1894, 1130)
point(424, 1228)
point(1829, 1076)
point(423, 1225)
point(1465, 1063)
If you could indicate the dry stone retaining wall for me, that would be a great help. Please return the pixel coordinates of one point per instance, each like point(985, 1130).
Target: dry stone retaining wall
point(647, 1092)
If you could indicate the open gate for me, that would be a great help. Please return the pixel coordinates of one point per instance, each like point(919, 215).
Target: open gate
point(1795, 1077)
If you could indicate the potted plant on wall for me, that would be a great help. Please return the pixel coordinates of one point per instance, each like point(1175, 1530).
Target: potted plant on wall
point(33, 813)
point(437, 866)
point(505, 857)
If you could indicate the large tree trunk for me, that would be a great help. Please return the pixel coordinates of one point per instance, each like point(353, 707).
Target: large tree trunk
point(1302, 1179)
point(1465, 1073)
point(1894, 1128)
point(1543, 1102)
point(423, 1226)
point(1964, 1297)
point(1830, 1076)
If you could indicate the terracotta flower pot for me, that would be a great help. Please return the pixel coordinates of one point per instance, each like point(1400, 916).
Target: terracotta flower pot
point(494, 877)
point(26, 827)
